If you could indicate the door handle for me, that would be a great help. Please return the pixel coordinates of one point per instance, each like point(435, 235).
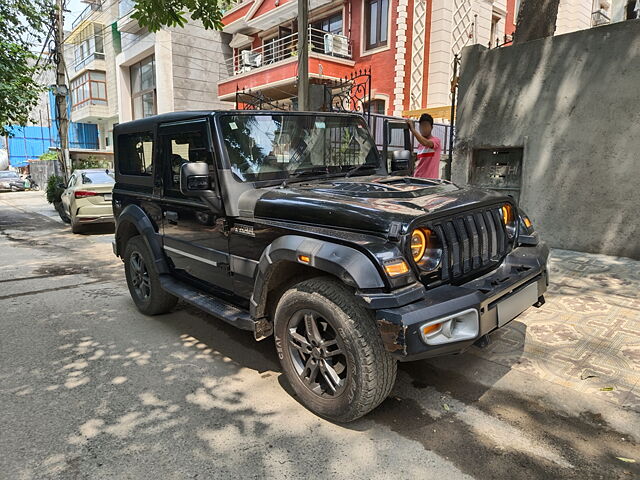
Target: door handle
point(172, 217)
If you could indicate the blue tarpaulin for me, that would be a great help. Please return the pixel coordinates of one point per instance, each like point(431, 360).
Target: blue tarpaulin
point(28, 143)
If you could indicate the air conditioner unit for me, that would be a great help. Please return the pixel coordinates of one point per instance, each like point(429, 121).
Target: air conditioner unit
point(336, 45)
point(250, 59)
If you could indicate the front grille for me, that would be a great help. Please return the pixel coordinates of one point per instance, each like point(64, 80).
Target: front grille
point(471, 242)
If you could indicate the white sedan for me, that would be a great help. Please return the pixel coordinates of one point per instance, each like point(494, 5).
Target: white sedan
point(87, 198)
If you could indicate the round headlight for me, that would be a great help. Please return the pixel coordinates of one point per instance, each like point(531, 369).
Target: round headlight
point(509, 219)
point(426, 249)
point(418, 245)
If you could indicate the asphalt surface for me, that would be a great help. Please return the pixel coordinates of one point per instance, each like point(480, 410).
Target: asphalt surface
point(90, 388)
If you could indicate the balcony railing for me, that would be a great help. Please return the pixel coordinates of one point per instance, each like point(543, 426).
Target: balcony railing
point(283, 48)
point(599, 17)
point(81, 63)
point(92, 7)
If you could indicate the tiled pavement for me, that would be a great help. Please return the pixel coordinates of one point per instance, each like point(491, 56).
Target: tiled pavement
point(587, 335)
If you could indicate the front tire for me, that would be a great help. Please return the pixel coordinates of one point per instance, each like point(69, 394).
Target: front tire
point(331, 351)
point(143, 281)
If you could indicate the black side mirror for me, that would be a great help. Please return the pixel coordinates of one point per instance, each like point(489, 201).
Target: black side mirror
point(400, 160)
point(194, 179)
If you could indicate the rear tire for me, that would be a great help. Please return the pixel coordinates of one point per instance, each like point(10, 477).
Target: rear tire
point(339, 368)
point(76, 227)
point(143, 280)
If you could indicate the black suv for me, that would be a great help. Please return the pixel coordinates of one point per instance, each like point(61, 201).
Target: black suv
point(290, 224)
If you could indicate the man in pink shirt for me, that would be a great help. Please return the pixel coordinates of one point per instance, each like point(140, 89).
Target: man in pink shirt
point(428, 165)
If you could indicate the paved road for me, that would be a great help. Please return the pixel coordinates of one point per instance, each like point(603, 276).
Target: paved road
point(90, 388)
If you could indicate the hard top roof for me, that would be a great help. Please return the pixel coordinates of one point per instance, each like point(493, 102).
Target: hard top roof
point(148, 123)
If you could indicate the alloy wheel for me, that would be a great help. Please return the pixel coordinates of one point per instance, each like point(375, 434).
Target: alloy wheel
point(317, 353)
point(140, 276)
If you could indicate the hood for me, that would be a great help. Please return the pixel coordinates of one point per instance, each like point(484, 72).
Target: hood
point(364, 203)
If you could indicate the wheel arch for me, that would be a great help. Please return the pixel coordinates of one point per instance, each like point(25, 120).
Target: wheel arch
point(280, 265)
point(134, 221)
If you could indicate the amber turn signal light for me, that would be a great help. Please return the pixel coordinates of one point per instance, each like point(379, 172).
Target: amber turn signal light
point(430, 328)
point(396, 267)
point(304, 258)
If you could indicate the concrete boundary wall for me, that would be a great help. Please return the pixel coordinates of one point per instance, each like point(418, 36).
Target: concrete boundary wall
point(573, 102)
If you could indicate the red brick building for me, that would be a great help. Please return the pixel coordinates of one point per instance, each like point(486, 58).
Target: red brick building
point(407, 44)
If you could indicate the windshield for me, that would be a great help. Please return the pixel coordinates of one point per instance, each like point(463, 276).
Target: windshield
point(8, 175)
point(97, 177)
point(283, 146)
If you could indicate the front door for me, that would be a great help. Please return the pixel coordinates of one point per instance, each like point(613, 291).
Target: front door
point(194, 236)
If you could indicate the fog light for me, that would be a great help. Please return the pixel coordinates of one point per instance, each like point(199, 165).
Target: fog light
point(456, 327)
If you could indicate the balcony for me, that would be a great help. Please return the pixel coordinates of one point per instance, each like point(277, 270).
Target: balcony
point(93, 6)
point(272, 68)
point(90, 112)
point(94, 61)
point(599, 17)
point(126, 23)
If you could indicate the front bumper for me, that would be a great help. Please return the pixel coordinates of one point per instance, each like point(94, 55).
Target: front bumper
point(400, 326)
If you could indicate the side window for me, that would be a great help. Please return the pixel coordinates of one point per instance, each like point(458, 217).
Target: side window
point(135, 154)
point(72, 181)
point(179, 147)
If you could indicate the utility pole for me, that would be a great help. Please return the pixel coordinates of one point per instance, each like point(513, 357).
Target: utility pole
point(303, 55)
point(61, 90)
point(454, 89)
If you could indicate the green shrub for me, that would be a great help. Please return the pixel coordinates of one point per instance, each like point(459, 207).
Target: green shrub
point(54, 189)
point(91, 162)
point(48, 156)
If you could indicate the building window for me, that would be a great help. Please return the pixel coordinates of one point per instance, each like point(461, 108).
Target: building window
point(90, 88)
point(332, 24)
point(143, 88)
point(377, 106)
point(494, 36)
point(376, 21)
point(89, 46)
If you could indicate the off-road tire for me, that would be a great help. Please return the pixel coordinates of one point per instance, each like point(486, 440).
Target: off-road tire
point(372, 369)
point(158, 301)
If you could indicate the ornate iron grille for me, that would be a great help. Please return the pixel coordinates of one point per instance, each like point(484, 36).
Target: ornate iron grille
point(248, 100)
point(350, 94)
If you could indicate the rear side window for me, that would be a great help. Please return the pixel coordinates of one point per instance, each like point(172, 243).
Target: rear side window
point(97, 177)
point(135, 153)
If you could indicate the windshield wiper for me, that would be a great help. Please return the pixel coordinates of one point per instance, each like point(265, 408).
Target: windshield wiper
point(300, 173)
point(359, 167)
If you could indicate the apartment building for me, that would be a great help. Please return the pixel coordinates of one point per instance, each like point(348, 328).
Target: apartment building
point(409, 45)
point(90, 58)
point(119, 71)
point(171, 70)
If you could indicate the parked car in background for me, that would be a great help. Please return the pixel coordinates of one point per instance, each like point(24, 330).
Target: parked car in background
point(11, 181)
point(87, 198)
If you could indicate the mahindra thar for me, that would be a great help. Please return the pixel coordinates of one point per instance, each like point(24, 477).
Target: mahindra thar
point(294, 225)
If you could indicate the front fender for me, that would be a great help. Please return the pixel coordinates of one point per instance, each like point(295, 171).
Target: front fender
point(134, 216)
point(352, 267)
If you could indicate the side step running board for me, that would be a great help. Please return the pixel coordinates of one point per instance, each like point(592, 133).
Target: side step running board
point(214, 306)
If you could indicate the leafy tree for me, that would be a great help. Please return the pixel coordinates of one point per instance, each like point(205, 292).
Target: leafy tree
point(536, 19)
point(155, 14)
point(22, 24)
